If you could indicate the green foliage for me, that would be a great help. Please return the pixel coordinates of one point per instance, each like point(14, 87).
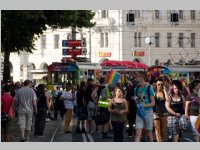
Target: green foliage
point(20, 28)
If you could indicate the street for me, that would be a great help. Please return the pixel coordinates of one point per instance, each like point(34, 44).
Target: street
point(54, 133)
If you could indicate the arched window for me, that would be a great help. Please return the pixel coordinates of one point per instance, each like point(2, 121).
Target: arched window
point(156, 62)
point(44, 66)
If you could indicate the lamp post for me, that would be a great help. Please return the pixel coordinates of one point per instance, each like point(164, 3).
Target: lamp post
point(149, 42)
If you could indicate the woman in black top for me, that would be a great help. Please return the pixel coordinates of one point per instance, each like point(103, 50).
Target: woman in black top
point(42, 105)
point(81, 107)
point(175, 107)
point(160, 112)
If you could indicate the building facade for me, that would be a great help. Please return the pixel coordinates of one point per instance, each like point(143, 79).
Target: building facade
point(149, 36)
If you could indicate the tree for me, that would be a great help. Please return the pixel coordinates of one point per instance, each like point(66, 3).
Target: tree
point(20, 28)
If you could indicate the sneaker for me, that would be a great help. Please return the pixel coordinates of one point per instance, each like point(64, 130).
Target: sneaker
point(22, 140)
point(68, 132)
point(78, 130)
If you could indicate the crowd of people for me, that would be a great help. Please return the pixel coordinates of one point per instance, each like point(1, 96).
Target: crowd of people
point(158, 106)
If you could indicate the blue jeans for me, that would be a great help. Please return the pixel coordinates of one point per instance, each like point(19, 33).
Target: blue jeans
point(118, 128)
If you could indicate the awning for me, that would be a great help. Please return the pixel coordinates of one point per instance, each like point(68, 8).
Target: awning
point(123, 64)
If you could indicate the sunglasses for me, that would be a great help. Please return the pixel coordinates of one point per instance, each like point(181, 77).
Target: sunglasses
point(159, 84)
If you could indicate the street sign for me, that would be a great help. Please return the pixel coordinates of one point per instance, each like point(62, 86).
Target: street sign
point(71, 43)
point(74, 52)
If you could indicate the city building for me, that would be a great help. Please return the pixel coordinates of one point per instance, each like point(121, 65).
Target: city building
point(154, 37)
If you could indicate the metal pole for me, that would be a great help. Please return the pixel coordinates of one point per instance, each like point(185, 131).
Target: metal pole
point(149, 54)
point(150, 49)
point(90, 54)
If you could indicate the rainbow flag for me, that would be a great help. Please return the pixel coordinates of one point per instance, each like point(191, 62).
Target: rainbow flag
point(113, 77)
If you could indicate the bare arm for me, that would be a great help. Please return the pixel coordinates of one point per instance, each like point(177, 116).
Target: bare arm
point(187, 105)
point(167, 105)
point(48, 102)
point(152, 104)
point(93, 95)
point(166, 95)
point(35, 106)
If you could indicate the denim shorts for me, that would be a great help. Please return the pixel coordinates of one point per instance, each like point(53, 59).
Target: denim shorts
point(173, 125)
point(147, 122)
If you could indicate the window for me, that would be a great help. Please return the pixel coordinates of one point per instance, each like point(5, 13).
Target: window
point(101, 39)
point(104, 14)
point(193, 40)
point(157, 39)
point(84, 44)
point(157, 14)
point(56, 41)
point(106, 39)
point(174, 18)
point(181, 14)
point(169, 39)
point(180, 41)
point(139, 39)
point(192, 14)
point(137, 13)
point(135, 39)
point(43, 42)
point(130, 17)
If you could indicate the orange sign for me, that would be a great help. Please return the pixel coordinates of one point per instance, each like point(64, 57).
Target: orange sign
point(135, 53)
point(104, 54)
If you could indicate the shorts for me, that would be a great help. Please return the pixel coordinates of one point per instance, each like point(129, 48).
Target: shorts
point(91, 108)
point(193, 120)
point(81, 113)
point(173, 125)
point(146, 123)
point(25, 120)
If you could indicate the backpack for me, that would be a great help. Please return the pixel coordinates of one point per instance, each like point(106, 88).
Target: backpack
point(148, 92)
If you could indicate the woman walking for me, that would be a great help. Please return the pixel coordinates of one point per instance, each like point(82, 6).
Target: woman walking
point(68, 97)
point(43, 105)
point(118, 108)
point(6, 107)
point(175, 107)
point(160, 112)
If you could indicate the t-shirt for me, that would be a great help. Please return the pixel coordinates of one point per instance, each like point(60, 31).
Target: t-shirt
point(68, 100)
point(194, 104)
point(142, 92)
point(25, 97)
point(6, 101)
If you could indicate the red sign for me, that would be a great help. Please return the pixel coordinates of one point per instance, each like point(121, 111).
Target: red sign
point(74, 52)
point(135, 53)
point(71, 43)
point(104, 54)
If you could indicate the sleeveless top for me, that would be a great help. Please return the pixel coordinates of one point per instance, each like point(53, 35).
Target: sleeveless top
point(41, 104)
point(176, 106)
point(118, 106)
point(159, 107)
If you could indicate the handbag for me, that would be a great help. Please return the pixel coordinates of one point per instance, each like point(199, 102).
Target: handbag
point(4, 115)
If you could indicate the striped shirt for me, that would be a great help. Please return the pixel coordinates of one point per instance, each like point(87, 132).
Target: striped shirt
point(24, 98)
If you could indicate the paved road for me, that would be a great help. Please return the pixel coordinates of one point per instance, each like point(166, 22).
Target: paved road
point(54, 133)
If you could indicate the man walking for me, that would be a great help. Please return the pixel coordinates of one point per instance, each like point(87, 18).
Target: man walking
point(25, 102)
